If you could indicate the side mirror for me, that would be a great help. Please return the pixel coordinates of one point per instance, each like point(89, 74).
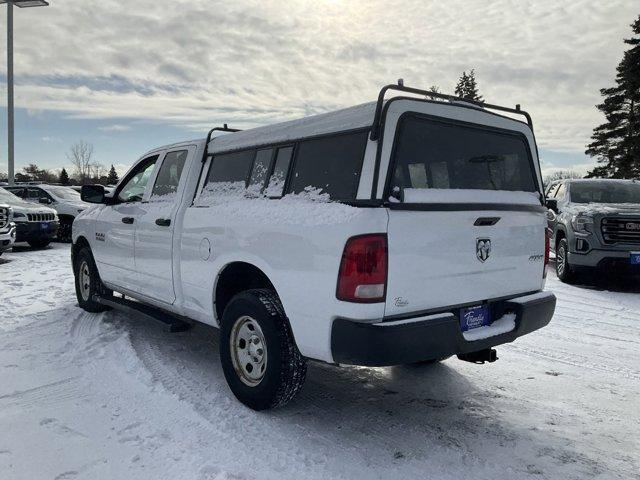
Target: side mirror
point(92, 193)
point(552, 204)
point(44, 200)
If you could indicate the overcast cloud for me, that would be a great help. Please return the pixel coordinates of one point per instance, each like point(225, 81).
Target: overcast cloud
point(199, 63)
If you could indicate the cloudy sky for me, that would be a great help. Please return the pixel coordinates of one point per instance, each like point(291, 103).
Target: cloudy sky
point(131, 75)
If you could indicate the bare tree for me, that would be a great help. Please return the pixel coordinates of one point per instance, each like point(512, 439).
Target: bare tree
point(80, 156)
point(96, 171)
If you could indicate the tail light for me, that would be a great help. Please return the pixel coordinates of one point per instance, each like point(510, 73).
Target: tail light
point(547, 248)
point(363, 270)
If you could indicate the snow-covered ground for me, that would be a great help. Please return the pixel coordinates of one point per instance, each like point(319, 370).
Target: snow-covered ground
point(103, 396)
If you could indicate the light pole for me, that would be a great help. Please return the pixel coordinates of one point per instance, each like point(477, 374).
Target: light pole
point(10, 4)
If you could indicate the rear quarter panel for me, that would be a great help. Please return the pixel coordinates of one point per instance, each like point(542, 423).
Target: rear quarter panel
point(298, 245)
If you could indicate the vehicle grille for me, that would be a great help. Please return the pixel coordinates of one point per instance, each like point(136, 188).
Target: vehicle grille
point(4, 217)
point(40, 217)
point(621, 230)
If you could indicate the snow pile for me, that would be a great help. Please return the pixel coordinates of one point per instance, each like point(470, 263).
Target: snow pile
point(461, 195)
point(504, 324)
point(309, 208)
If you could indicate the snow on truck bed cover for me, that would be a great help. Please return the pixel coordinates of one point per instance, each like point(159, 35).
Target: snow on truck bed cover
point(360, 116)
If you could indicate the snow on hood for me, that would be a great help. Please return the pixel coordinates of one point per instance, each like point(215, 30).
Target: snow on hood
point(602, 208)
point(31, 208)
point(309, 208)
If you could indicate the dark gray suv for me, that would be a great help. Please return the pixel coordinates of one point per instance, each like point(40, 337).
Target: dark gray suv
point(596, 225)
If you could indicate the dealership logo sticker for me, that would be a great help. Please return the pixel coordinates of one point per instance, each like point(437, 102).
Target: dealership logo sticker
point(483, 248)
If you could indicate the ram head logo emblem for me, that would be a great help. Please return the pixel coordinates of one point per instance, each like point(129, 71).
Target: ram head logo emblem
point(483, 248)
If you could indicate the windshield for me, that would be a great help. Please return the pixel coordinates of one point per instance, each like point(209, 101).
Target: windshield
point(10, 198)
point(605, 192)
point(433, 154)
point(64, 193)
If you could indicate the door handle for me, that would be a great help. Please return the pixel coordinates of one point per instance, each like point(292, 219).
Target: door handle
point(163, 222)
point(128, 220)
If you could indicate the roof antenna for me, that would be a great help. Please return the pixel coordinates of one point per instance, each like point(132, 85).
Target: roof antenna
point(401, 82)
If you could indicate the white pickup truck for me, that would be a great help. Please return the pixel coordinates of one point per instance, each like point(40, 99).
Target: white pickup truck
point(400, 231)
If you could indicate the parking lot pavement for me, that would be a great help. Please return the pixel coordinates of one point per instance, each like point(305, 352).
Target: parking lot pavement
point(108, 396)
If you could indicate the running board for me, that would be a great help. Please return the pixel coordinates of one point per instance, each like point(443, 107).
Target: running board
point(171, 323)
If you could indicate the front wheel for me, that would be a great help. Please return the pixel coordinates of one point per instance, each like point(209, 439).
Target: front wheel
point(260, 360)
point(88, 283)
point(564, 269)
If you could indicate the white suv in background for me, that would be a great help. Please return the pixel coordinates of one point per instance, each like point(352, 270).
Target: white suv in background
point(64, 200)
point(399, 231)
point(7, 227)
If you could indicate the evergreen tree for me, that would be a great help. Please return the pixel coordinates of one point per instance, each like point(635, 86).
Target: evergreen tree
point(616, 143)
point(112, 178)
point(472, 87)
point(467, 87)
point(64, 177)
point(461, 87)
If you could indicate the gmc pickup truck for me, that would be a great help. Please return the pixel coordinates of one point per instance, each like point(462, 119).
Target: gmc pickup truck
point(404, 230)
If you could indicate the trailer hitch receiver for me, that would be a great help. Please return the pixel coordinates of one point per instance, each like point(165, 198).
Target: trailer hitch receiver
point(487, 355)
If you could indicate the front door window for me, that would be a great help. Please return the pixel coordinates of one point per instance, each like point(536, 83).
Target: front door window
point(134, 187)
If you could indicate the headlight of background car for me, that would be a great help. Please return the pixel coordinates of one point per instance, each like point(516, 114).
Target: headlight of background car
point(19, 217)
point(582, 223)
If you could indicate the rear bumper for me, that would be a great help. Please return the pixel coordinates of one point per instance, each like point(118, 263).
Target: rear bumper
point(436, 336)
point(29, 231)
point(7, 237)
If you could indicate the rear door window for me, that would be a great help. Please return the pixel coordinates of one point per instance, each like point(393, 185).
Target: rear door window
point(278, 177)
point(169, 175)
point(331, 164)
point(19, 192)
point(436, 154)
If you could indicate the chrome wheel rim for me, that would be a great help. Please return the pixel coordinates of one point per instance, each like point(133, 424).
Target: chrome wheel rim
point(85, 281)
point(248, 351)
point(561, 261)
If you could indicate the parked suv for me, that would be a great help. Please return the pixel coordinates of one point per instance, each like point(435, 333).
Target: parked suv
point(7, 227)
point(597, 225)
point(393, 232)
point(36, 225)
point(64, 200)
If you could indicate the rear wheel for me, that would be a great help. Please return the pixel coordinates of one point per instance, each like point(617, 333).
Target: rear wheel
point(88, 283)
point(261, 362)
point(39, 243)
point(564, 269)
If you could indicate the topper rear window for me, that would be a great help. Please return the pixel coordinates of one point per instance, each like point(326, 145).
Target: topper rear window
point(434, 154)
